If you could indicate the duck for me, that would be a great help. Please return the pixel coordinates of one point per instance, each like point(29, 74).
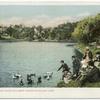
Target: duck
point(16, 76)
point(33, 74)
point(30, 81)
point(39, 80)
point(48, 75)
point(21, 82)
point(45, 76)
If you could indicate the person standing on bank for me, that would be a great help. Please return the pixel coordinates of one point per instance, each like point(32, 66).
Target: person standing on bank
point(64, 68)
point(76, 65)
point(88, 56)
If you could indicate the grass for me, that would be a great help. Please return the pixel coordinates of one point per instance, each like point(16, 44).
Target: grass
point(82, 47)
point(70, 84)
point(95, 84)
point(77, 84)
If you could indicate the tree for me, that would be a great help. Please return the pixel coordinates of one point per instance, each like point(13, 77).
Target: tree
point(88, 30)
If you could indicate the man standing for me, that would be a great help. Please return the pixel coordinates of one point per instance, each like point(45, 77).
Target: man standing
point(64, 68)
point(76, 65)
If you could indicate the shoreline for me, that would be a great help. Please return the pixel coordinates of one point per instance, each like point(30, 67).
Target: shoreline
point(79, 52)
point(23, 40)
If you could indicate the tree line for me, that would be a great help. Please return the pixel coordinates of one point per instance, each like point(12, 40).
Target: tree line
point(85, 31)
point(61, 32)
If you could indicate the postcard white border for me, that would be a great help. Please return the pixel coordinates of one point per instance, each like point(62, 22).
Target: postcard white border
point(49, 2)
point(68, 93)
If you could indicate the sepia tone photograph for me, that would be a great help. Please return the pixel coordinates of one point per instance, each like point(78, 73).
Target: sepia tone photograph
point(49, 46)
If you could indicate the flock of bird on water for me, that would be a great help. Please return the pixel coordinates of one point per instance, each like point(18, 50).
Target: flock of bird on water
point(30, 78)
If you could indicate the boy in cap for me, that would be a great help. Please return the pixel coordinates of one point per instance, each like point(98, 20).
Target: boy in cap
point(64, 68)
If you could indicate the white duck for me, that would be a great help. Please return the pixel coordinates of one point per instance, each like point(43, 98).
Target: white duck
point(48, 75)
point(16, 76)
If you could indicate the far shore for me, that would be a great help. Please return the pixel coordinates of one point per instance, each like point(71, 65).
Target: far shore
point(23, 40)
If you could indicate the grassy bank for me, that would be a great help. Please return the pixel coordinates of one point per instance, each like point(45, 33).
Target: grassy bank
point(73, 83)
point(77, 84)
point(94, 48)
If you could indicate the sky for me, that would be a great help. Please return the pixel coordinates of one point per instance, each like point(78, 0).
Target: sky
point(47, 15)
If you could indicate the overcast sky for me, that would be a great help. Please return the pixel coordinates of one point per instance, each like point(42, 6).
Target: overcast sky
point(45, 15)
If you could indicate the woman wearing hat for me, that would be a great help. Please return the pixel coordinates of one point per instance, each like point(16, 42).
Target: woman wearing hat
point(88, 56)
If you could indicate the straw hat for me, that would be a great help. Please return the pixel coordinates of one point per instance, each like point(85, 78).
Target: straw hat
point(87, 48)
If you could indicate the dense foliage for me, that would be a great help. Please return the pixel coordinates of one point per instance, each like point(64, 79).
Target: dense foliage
point(88, 30)
point(61, 32)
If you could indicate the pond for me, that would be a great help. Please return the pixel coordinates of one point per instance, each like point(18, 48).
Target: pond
point(32, 57)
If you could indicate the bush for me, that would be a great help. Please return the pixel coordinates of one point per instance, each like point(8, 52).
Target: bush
point(61, 84)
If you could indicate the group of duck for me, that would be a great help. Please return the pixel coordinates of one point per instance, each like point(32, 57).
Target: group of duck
point(30, 78)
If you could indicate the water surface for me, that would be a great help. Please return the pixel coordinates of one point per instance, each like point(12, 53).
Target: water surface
point(32, 57)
